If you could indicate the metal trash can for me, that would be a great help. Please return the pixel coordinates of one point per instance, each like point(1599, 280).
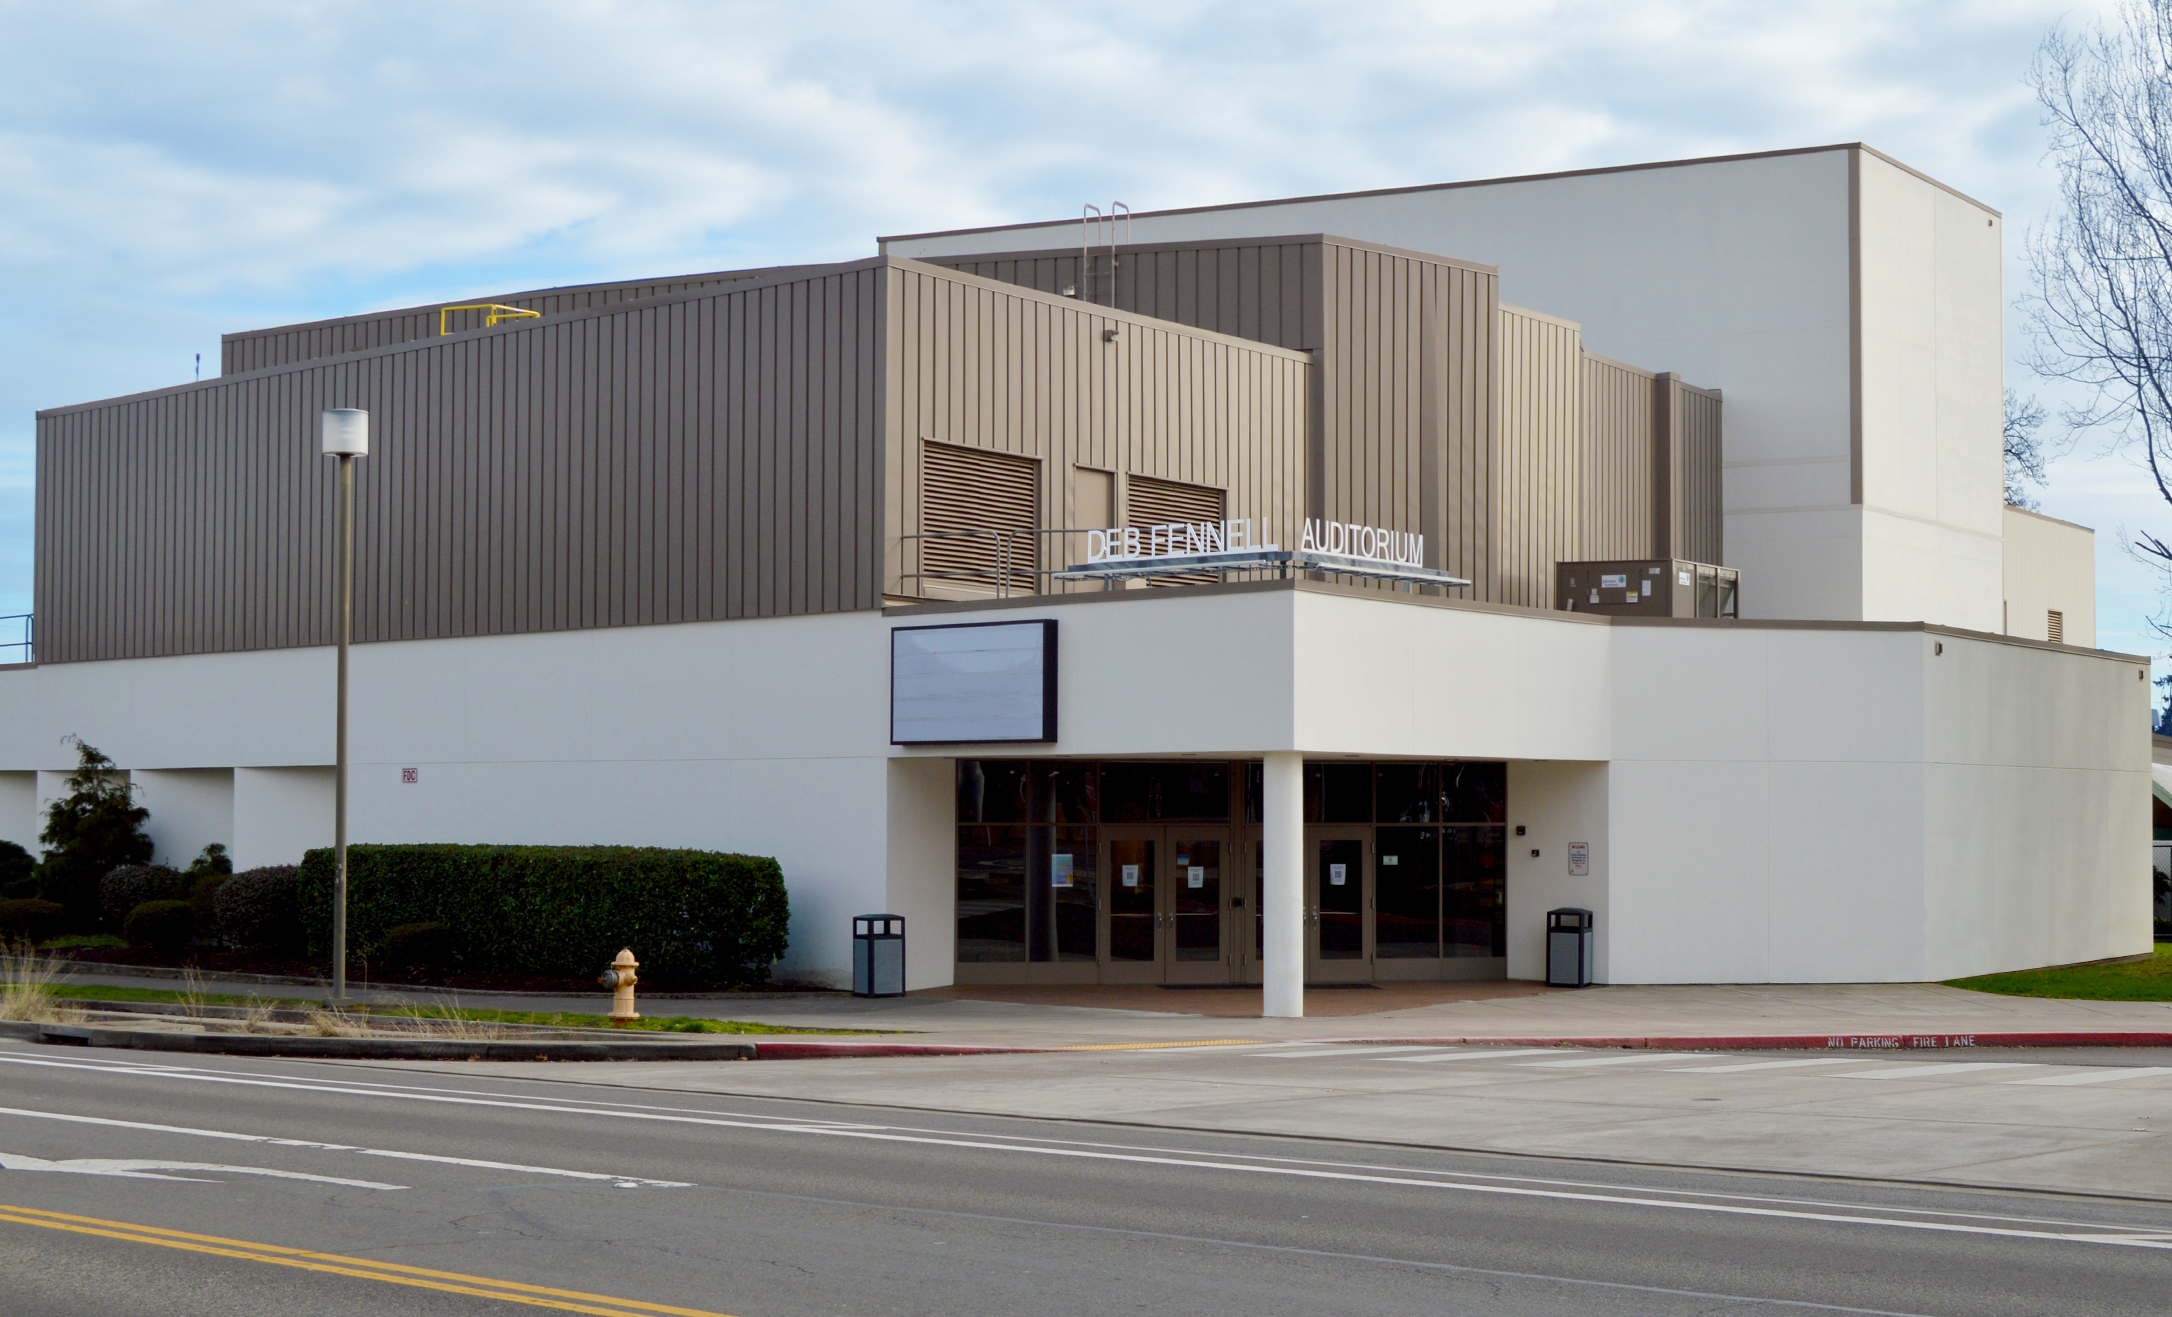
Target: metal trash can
point(1568, 948)
point(878, 955)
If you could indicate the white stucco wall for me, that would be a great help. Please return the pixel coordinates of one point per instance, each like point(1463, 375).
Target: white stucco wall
point(1933, 401)
point(2049, 564)
point(1764, 803)
point(19, 820)
point(190, 809)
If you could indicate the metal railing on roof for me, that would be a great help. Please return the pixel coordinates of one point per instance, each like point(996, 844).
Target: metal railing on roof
point(17, 651)
point(1241, 564)
point(497, 311)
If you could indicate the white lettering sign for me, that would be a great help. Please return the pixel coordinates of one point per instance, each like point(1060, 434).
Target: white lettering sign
point(1372, 543)
point(1171, 539)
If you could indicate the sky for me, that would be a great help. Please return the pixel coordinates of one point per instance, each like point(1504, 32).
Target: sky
point(169, 172)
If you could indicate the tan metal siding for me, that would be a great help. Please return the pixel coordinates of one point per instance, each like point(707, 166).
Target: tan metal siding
point(1698, 518)
point(990, 366)
point(711, 457)
point(1621, 471)
point(262, 349)
point(1403, 413)
point(1539, 477)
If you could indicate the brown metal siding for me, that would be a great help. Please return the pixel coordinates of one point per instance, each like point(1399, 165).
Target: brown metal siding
point(990, 366)
point(1621, 471)
point(1403, 412)
point(712, 457)
point(1539, 472)
point(262, 349)
point(1697, 520)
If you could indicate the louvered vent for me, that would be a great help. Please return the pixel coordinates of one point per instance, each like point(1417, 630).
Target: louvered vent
point(968, 496)
point(2055, 627)
point(1159, 502)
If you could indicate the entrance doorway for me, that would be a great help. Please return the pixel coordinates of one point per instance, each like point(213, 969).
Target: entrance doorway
point(1168, 907)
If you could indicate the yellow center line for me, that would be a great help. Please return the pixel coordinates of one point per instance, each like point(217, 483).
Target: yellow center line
point(391, 1273)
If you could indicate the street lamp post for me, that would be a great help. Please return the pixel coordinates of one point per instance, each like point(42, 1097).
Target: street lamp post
point(345, 432)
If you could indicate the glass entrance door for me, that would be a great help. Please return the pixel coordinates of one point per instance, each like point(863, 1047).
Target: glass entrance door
point(1168, 906)
point(1338, 923)
point(1196, 951)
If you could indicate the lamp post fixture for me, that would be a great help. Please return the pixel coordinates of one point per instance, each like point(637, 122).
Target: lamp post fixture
point(345, 432)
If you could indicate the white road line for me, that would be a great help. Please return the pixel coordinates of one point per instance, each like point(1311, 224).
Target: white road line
point(1330, 1050)
point(136, 1168)
point(2126, 1236)
point(2100, 1075)
point(273, 1141)
point(1763, 1065)
point(1633, 1059)
point(1937, 1069)
point(1483, 1055)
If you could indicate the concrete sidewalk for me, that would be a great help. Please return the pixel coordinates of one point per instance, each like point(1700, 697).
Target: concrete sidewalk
point(1112, 1017)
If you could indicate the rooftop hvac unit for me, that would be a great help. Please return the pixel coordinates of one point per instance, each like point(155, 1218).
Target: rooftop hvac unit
point(1648, 587)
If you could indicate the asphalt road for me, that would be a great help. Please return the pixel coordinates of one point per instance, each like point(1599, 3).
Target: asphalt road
point(237, 1187)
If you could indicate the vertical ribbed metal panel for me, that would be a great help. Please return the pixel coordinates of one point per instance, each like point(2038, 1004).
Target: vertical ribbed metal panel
point(1403, 413)
point(1539, 477)
point(708, 457)
point(262, 349)
point(988, 366)
point(1622, 476)
point(1698, 519)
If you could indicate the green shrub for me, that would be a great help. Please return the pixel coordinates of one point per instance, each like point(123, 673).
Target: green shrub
point(159, 925)
point(417, 947)
point(18, 869)
point(20, 889)
point(562, 910)
point(211, 860)
point(256, 910)
point(203, 899)
point(93, 830)
point(129, 886)
point(30, 920)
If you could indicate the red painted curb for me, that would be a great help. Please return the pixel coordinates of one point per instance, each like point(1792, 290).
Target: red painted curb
point(764, 1050)
point(1879, 1042)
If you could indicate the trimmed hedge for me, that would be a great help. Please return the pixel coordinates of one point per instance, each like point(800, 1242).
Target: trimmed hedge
point(419, 947)
point(160, 925)
point(129, 886)
point(258, 910)
point(30, 920)
point(561, 910)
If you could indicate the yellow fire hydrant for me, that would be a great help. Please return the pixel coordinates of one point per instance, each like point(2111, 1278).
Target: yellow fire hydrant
point(620, 978)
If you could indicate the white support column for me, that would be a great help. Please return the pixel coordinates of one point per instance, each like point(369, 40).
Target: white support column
point(1282, 894)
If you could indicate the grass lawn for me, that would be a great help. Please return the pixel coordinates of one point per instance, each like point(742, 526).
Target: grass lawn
point(555, 1019)
point(2141, 980)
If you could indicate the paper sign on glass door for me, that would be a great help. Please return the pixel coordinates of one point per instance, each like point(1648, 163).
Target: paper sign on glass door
point(1337, 874)
point(1059, 871)
point(1196, 877)
point(1131, 875)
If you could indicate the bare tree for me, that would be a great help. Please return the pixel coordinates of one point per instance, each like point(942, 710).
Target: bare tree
point(2024, 451)
point(2101, 310)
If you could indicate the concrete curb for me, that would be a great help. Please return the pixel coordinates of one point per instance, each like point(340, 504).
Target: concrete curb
point(1881, 1042)
point(380, 1049)
point(802, 1050)
point(74, 967)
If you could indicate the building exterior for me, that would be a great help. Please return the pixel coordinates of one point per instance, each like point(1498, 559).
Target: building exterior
point(817, 562)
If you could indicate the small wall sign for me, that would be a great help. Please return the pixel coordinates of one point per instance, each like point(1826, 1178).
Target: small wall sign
point(1579, 858)
point(410, 776)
